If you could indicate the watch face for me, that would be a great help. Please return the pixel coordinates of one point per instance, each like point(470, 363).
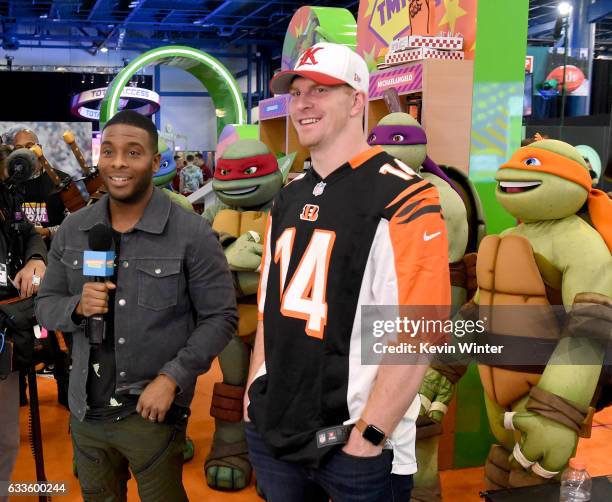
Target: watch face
point(374, 435)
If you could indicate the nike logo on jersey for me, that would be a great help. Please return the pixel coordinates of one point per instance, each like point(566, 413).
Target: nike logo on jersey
point(404, 171)
point(310, 212)
point(428, 237)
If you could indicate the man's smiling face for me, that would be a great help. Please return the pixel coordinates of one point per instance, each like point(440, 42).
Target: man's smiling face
point(127, 162)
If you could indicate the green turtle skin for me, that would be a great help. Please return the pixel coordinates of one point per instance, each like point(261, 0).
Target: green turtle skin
point(541, 203)
point(248, 194)
point(258, 191)
point(411, 155)
point(435, 386)
point(573, 258)
point(571, 255)
point(453, 209)
point(455, 217)
point(179, 199)
point(555, 198)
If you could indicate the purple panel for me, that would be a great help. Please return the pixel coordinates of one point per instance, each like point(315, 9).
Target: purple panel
point(405, 79)
point(273, 107)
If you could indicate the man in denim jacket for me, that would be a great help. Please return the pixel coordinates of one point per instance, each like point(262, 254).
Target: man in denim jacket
point(170, 310)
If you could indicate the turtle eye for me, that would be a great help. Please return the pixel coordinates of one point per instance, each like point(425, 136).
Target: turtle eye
point(164, 164)
point(224, 172)
point(250, 170)
point(397, 138)
point(372, 138)
point(532, 161)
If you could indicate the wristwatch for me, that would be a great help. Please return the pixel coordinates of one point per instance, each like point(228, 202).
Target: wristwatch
point(370, 432)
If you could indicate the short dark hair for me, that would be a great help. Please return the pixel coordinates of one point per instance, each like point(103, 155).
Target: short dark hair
point(198, 155)
point(190, 158)
point(135, 119)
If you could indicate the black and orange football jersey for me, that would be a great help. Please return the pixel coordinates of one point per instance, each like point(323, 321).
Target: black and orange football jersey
point(370, 233)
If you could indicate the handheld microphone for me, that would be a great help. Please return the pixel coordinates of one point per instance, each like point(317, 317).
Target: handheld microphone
point(98, 263)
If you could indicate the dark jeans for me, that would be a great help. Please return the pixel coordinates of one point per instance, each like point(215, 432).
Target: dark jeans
point(342, 477)
point(153, 452)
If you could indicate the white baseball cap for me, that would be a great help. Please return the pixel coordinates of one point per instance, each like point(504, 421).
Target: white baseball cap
point(327, 64)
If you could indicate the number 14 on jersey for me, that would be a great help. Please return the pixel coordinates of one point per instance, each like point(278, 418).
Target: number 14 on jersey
point(305, 295)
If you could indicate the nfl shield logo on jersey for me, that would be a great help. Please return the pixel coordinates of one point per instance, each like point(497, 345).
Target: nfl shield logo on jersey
point(318, 189)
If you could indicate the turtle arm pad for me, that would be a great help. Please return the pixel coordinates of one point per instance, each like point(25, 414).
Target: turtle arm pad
point(563, 411)
point(590, 317)
point(227, 402)
point(463, 274)
point(453, 372)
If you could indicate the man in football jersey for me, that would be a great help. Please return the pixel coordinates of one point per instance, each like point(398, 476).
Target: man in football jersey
point(359, 228)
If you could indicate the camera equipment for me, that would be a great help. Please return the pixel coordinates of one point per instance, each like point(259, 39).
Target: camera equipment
point(21, 165)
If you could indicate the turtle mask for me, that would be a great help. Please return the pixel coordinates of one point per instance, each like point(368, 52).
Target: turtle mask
point(407, 135)
point(248, 181)
point(397, 135)
point(249, 167)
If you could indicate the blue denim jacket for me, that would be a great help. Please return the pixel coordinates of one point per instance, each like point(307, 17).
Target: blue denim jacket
point(175, 307)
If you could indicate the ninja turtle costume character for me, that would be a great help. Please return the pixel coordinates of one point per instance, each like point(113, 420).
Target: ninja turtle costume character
point(403, 137)
point(554, 256)
point(163, 179)
point(247, 178)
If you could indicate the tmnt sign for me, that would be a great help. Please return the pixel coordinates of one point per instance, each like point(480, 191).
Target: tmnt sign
point(381, 21)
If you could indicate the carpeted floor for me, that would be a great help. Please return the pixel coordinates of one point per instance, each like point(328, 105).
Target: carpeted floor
point(461, 485)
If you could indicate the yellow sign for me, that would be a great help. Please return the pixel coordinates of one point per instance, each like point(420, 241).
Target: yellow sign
point(390, 18)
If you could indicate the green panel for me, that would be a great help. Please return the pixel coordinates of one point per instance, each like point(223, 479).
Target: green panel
point(248, 131)
point(497, 108)
point(497, 102)
point(472, 435)
point(501, 41)
point(337, 25)
point(497, 217)
point(311, 25)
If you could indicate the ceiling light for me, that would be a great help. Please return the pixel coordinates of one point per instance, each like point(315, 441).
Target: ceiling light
point(104, 49)
point(564, 8)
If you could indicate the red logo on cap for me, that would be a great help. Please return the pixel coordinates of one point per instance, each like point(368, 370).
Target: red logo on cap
point(309, 56)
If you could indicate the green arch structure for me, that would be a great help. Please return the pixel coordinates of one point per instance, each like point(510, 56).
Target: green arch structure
point(216, 78)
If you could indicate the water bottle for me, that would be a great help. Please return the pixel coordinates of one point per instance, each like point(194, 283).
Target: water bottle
point(575, 482)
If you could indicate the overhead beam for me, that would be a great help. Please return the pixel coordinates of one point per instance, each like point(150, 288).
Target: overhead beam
point(132, 25)
point(94, 9)
point(167, 16)
point(540, 29)
point(599, 10)
point(206, 19)
point(213, 42)
point(253, 13)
